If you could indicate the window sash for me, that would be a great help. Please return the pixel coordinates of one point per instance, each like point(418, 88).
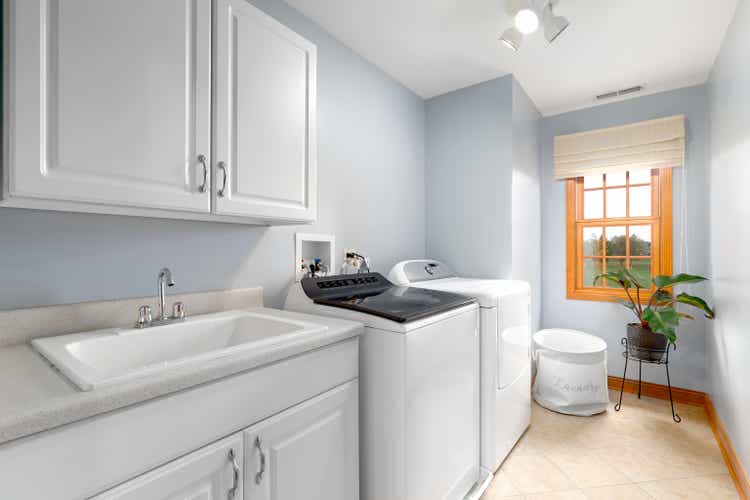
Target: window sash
point(655, 206)
point(581, 258)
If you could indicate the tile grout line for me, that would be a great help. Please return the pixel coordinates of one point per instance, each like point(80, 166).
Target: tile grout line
point(644, 491)
point(728, 476)
point(566, 476)
point(629, 481)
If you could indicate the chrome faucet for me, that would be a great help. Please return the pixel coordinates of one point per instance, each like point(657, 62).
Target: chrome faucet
point(164, 280)
point(364, 266)
point(145, 318)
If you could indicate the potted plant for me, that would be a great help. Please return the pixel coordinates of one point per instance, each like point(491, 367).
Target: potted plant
point(657, 319)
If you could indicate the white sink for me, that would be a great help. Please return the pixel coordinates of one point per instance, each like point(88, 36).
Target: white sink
point(103, 357)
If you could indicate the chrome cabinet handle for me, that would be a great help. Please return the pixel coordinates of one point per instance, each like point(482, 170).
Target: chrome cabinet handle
point(236, 477)
point(223, 168)
point(259, 475)
point(202, 160)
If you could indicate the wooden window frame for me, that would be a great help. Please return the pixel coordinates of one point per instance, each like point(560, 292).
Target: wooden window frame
point(661, 236)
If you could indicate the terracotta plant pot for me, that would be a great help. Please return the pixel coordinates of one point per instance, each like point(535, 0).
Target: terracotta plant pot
point(644, 344)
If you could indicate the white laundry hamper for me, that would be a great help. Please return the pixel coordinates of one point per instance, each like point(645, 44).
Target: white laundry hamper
point(571, 372)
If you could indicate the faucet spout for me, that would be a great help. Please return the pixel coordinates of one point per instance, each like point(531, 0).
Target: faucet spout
point(164, 280)
point(166, 274)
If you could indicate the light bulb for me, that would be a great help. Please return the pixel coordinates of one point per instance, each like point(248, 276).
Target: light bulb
point(527, 21)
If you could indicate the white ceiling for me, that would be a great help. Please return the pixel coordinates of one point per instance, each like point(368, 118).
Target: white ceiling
point(435, 46)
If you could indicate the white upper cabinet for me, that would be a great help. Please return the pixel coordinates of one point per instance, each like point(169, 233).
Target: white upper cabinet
point(109, 102)
point(265, 116)
point(109, 108)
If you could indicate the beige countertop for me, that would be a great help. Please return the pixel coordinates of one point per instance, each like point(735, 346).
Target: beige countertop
point(35, 397)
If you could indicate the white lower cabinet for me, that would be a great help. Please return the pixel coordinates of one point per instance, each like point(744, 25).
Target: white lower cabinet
point(310, 452)
point(211, 473)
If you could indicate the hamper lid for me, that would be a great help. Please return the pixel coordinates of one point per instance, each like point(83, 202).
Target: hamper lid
point(569, 341)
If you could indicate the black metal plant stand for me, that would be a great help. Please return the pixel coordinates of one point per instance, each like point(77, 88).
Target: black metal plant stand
point(651, 356)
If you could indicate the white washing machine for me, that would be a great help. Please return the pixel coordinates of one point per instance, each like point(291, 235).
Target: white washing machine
point(505, 380)
point(419, 384)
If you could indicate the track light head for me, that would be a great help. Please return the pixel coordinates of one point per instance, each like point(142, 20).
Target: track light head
point(553, 25)
point(512, 39)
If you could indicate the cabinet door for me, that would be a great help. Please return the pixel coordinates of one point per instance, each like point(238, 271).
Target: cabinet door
point(211, 473)
point(265, 143)
point(109, 102)
point(308, 452)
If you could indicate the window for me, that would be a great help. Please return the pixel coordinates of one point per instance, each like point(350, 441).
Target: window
point(616, 221)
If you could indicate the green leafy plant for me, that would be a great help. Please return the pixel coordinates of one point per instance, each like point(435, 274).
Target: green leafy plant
point(659, 314)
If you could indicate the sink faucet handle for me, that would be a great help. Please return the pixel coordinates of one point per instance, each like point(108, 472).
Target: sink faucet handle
point(144, 316)
point(178, 310)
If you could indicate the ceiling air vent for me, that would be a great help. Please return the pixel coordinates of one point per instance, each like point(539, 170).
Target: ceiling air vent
point(619, 93)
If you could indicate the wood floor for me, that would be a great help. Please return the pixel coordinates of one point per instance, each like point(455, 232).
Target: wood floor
point(636, 453)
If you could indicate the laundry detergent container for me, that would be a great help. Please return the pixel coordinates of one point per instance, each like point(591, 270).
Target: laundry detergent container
point(571, 372)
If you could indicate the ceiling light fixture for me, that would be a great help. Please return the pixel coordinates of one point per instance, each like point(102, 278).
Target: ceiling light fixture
point(512, 39)
point(527, 19)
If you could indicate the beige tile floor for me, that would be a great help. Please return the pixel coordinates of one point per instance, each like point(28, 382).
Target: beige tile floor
point(637, 453)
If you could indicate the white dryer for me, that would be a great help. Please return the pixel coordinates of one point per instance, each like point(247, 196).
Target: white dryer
point(505, 352)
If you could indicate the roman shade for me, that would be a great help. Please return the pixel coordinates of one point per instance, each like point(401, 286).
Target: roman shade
point(644, 145)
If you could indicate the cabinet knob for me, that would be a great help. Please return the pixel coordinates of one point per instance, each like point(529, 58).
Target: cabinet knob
point(202, 160)
point(223, 167)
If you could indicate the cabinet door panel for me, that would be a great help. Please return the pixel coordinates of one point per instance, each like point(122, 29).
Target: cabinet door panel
point(205, 474)
point(111, 101)
point(309, 451)
point(265, 115)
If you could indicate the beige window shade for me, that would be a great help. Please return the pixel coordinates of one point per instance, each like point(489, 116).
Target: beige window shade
point(651, 144)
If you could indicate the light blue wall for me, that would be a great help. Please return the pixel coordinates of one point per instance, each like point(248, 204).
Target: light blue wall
point(526, 219)
point(371, 190)
point(728, 346)
point(605, 319)
point(468, 178)
point(482, 179)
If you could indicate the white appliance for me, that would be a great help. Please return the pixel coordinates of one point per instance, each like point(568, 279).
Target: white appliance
point(419, 383)
point(505, 319)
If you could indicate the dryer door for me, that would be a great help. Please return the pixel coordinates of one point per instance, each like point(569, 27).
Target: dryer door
point(514, 339)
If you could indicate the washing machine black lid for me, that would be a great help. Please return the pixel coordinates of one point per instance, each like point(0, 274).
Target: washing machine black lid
point(371, 293)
